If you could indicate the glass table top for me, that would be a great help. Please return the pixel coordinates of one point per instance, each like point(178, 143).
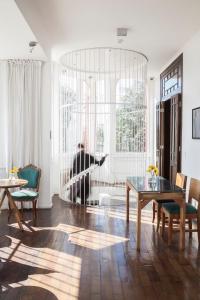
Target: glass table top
point(162, 185)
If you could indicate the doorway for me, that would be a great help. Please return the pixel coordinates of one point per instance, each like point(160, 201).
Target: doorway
point(169, 120)
point(169, 129)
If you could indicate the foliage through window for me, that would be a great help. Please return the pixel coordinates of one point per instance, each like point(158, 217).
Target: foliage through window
point(130, 118)
point(100, 138)
point(68, 98)
point(100, 117)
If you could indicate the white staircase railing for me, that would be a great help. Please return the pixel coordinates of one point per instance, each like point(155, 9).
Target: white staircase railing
point(79, 176)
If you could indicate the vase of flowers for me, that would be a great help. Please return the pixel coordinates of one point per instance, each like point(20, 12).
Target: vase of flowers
point(13, 173)
point(153, 171)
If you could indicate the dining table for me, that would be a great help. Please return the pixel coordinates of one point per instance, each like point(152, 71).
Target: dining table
point(146, 190)
point(6, 185)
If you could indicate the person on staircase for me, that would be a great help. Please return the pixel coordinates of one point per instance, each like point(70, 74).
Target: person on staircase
point(81, 162)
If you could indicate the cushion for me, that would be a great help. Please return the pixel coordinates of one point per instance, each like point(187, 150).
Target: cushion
point(31, 175)
point(174, 208)
point(24, 195)
point(161, 202)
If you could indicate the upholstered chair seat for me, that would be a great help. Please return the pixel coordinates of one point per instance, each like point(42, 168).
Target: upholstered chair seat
point(24, 195)
point(174, 208)
point(29, 192)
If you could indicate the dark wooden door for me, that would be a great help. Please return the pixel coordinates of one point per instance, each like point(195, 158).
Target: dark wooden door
point(168, 137)
point(160, 137)
point(175, 136)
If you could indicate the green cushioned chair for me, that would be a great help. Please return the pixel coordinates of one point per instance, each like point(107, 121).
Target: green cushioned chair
point(174, 208)
point(181, 181)
point(171, 211)
point(29, 192)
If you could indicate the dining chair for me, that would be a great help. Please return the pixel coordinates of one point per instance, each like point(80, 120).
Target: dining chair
point(157, 204)
point(29, 192)
point(171, 212)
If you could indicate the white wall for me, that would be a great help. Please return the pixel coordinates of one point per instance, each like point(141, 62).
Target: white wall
point(191, 99)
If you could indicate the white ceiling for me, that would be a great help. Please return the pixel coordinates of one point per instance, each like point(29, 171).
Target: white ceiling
point(158, 28)
point(15, 34)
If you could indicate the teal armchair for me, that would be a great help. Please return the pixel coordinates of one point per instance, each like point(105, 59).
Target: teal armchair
point(29, 192)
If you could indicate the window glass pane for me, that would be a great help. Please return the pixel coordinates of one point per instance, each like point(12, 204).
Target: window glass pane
point(100, 117)
point(130, 117)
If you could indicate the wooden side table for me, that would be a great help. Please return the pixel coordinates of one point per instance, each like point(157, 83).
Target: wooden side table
point(7, 184)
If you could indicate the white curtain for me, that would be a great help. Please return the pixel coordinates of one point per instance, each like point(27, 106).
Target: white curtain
point(3, 118)
point(20, 102)
point(56, 75)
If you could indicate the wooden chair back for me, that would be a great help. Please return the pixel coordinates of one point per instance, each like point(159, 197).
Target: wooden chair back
point(194, 191)
point(181, 180)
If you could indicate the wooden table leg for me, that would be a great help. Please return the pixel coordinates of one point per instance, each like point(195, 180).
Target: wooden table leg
point(182, 225)
point(139, 210)
point(1, 202)
point(14, 207)
point(127, 202)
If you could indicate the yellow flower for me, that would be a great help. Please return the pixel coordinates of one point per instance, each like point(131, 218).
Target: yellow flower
point(156, 171)
point(14, 170)
point(152, 168)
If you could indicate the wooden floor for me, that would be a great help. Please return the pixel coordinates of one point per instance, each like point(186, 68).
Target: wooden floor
point(78, 253)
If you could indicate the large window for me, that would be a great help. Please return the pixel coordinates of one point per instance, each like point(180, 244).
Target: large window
point(68, 99)
point(100, 138)
point(100, 110)
point(90, 119)
point(130, 117)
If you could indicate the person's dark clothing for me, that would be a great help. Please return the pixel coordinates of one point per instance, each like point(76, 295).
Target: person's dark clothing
point(81, 188)
point(83, 161)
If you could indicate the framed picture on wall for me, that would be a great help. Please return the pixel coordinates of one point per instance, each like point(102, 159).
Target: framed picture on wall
point(196, 123)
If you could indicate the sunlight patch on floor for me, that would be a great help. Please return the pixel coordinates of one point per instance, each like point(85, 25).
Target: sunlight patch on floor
point(41, 257)
point(62, 270)
point(91, 239)
point(121, 214)
point(61, 285)
point(95, 240)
